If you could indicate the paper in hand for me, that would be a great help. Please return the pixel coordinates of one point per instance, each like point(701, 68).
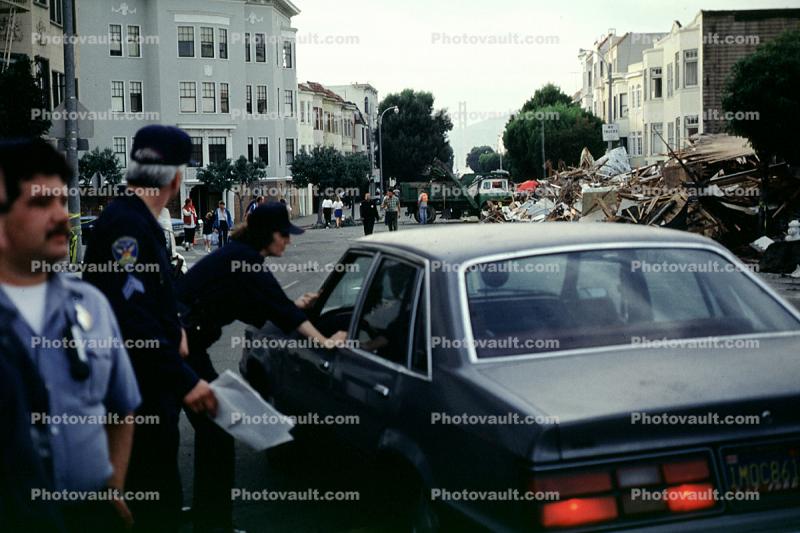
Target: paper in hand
point(243, 414)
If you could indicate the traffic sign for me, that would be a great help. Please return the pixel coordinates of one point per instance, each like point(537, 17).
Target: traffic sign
point(610, 132)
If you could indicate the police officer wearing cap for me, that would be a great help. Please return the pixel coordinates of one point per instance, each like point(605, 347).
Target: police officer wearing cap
point(61, 339)
point(140, 289)
point(222, 288)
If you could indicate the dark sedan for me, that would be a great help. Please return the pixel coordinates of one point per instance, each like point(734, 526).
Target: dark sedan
point(554, 376)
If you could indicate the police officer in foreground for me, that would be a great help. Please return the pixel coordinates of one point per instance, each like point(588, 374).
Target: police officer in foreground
point(228, 285)
point(62, 340)
point(140, 289)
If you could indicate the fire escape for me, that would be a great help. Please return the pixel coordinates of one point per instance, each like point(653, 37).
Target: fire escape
point(9, 12)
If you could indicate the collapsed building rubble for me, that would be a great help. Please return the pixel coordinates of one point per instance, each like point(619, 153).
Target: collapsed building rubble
point(712, 187)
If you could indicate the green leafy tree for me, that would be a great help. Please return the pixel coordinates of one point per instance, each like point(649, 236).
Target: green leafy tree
point(218, 176)
point(766, 82)
point(103, 163)
point(357, 171)
point(549, 95)
point(21, 102)
point(489, 162)
point(474, 156)
point(323, 167)
point(568, 129)
point(245, 174)
point(414, 138)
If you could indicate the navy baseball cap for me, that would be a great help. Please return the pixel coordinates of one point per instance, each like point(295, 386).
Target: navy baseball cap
point(161, 145)
point(273, 216)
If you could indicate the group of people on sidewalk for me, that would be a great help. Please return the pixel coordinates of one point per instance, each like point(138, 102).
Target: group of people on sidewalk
point(95, 372)
point(391, 206)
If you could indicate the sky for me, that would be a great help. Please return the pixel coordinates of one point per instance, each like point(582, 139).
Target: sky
point(461, 51)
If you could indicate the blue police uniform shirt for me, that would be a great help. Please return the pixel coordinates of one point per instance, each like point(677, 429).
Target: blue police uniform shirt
point(141, 292)
point(79, 444)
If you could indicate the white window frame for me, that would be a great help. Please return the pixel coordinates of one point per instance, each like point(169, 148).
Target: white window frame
point(227, 87)
point(264, 43)
point(691, 57)
point(121, 155)
point(121, 40)
point(178, 42)
point(124, 94)
point(128, 41)
point(141, 95)
point(220, 33)
point(257, 153)
point(213, 42)
point(181, 97)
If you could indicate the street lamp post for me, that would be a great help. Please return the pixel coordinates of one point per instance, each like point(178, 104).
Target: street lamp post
point(380, 140)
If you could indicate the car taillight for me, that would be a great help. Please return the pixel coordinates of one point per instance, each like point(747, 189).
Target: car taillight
point(579, 511)
point(616, 492)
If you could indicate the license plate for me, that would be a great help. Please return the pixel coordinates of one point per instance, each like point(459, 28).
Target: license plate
point(767, 469)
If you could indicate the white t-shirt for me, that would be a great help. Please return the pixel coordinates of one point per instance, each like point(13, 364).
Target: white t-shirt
point(338, 204)
point(30, 302)
point(327, 203)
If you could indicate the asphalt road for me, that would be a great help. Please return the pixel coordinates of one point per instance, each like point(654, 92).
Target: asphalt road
point(253, 470)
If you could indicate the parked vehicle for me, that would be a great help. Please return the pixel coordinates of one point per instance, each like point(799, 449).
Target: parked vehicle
point(451, 198)
point(572, 330)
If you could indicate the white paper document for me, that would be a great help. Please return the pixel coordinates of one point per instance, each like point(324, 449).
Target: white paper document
point(246, 416)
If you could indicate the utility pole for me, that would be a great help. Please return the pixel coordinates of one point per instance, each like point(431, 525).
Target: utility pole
point(71, 123)
point(544, 164)
point(610, 103)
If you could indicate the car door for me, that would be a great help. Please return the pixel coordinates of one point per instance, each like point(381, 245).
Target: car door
point(370, 372)
point(309, 368)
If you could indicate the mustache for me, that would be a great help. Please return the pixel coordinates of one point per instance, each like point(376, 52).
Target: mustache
point(60, 229)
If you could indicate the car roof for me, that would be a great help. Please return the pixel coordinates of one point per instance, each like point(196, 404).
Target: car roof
point(463, 242)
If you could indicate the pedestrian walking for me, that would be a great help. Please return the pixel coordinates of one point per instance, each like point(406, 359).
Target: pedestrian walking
point(327, 210)
point(369, 214)
point(392, 206)
point(189, 224)
point(255, 203)
point(338, 209)
point(223, 222)
point(217, 291)
point(422, 204)
point(66, 328)
point(208, 230)
point(128, 236)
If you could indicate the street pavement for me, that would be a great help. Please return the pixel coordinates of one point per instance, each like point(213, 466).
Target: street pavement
point(253, 471)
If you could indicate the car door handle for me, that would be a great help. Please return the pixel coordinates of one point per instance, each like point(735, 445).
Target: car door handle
point(325, 366)
point(383, 390)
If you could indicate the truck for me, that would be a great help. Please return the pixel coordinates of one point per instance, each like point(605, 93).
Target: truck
point(451, 198)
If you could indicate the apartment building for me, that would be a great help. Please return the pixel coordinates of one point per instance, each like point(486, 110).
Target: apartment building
point(34, 29)
point(675, 86)
point(223, 70)
point(365, 97)
point(327, 119)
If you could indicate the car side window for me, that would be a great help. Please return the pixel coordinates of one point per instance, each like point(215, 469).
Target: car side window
point(384, 328)
point(347, 287)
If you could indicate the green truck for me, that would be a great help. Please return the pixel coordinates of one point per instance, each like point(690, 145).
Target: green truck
point(451, 198)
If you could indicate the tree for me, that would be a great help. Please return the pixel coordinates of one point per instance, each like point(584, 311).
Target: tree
point(218, 176)
point(21, 102)
point(489, 162)
point(246, 173)
point(323, 167)
point(357, 170)
point(414, 138)
point(474, 156)
point(766, 82)
point(105, 164)
point(568, 129)
point(549, 95)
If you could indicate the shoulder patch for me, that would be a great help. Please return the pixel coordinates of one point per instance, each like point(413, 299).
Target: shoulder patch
point(125, 251)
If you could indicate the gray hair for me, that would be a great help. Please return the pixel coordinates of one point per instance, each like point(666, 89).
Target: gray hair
point(146, 175)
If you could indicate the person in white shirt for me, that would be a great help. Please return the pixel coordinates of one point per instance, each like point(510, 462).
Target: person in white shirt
point(338, 209)
point(327, 209)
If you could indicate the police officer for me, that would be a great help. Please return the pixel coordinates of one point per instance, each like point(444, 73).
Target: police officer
point(228, 285)
point(140, 289)
point(62, 336)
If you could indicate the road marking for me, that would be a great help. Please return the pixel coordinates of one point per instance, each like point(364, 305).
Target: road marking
point(290, 285)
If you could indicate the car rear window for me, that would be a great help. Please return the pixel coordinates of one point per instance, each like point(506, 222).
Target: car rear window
point(614, 297)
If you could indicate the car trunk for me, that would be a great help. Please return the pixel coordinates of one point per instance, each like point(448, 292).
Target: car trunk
point(595, 395)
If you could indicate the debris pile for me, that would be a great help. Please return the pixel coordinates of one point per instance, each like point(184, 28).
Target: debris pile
point(712, 187)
